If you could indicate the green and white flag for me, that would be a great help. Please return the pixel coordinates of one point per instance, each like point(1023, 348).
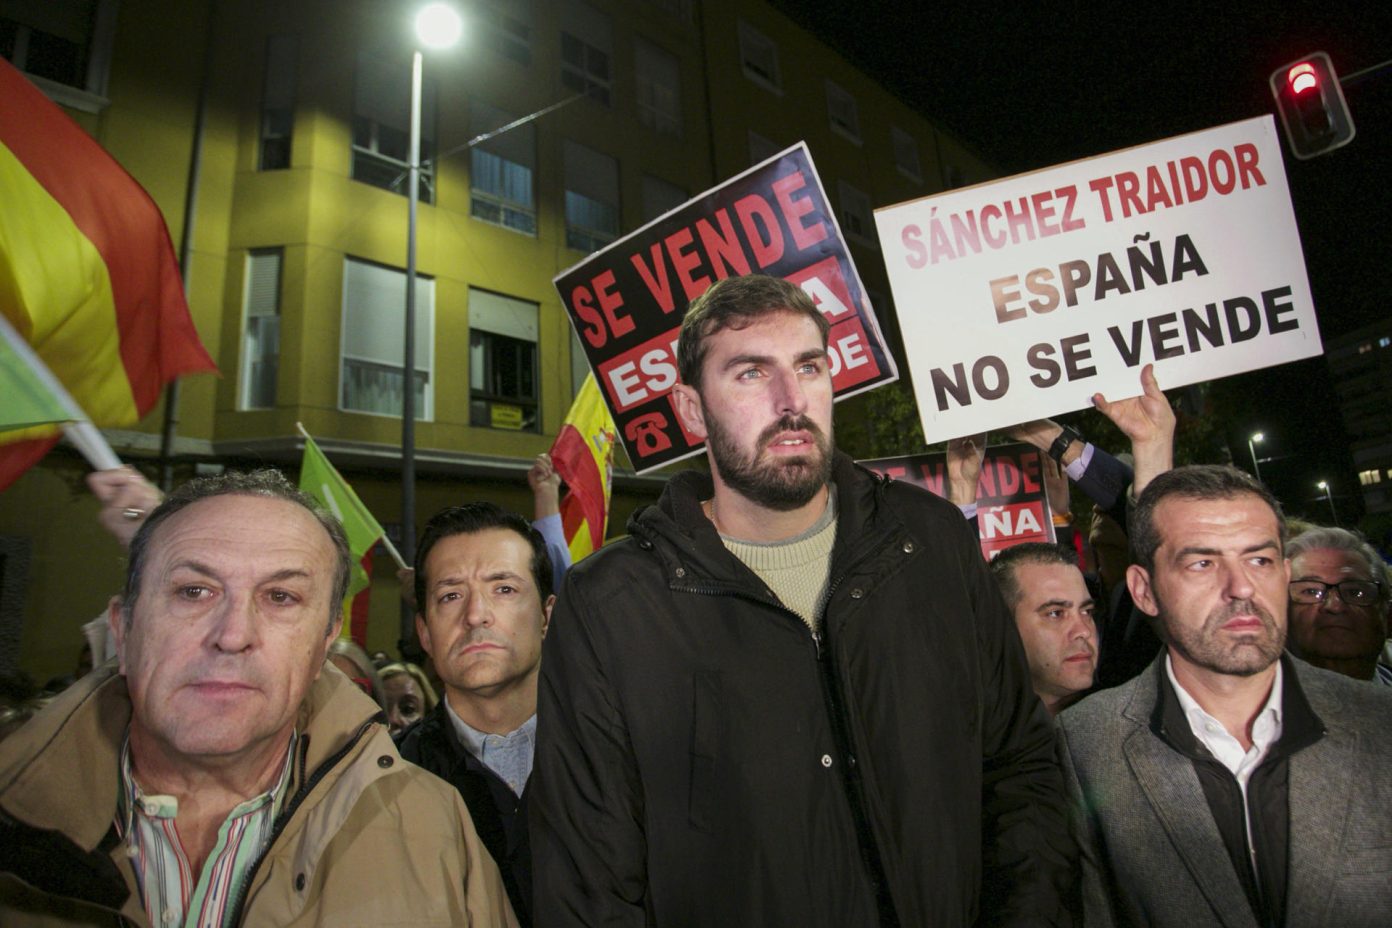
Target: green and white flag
point(321, 480)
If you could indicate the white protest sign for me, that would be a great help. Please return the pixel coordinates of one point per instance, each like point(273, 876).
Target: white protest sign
point(1020, 299)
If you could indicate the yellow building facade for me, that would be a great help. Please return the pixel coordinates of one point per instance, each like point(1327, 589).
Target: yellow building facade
point(298, 245)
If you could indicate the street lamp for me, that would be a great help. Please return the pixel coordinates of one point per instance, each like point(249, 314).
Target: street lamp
point(1256, 438)
point(437, 26)
point(1324, 485)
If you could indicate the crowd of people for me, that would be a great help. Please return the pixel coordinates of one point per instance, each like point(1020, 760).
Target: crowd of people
point(794, 693)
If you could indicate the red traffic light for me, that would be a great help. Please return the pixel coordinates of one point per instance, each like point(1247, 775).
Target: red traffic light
point(1311, 105)
point(1302, 78)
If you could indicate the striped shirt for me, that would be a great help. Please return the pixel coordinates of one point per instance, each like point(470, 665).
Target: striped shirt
point(171, 893)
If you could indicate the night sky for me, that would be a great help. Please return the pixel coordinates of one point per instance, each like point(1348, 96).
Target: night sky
point(1042, 84)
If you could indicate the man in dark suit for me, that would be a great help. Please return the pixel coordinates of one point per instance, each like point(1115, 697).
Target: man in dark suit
point(1229, 784)
point(483, 603)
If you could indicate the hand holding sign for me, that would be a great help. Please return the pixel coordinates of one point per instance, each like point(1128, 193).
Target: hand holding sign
point(1149, 421)
point(964, 458)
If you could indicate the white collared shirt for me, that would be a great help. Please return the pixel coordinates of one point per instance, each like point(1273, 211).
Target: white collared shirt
point(1266, 731)
point(509, 756)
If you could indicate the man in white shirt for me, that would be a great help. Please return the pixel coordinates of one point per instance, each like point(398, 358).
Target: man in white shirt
point(1229, 783)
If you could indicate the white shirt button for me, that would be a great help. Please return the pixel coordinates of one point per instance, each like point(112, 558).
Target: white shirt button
point(826, 760)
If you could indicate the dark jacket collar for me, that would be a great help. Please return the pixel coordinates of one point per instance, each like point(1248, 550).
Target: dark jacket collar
point(679, 521)
point(1300, 725)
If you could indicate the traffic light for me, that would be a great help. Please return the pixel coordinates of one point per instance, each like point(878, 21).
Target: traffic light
point(1312, 105)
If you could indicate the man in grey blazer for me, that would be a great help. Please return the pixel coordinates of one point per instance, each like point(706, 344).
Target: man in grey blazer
point(1229, 784)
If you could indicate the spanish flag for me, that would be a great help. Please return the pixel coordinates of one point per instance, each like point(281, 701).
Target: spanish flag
point(87, 272)
point(584, 457)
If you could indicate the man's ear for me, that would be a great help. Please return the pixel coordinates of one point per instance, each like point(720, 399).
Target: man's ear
point(546, 613)
point(116, 624)
point(1142, 593)
point(687, 402)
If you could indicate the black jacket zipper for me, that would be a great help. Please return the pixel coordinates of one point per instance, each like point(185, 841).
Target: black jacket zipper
point(840, 729)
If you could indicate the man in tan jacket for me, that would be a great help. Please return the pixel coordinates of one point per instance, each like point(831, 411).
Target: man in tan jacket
point(223, 774)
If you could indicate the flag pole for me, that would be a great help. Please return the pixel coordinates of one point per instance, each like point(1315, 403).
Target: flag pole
point(79, 429)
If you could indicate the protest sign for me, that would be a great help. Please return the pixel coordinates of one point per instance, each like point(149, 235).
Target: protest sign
point(1011, 505)
point(1020, 299)
point(627, 301)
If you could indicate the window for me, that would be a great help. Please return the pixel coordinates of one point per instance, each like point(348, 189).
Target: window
point(856, 215)
point(585, 51)
point(760, 148)
point(501, 186)
point(261, 329)
point(660, 197)
point(382, 125)
point(505, 34)
point(502, 362)
point(278, 103)
point(374, 321)
point(659, 88)
point(1365, 347)
point(1384, 342)
point(906, 154)
point(1369, 477)
point(759, 58)
point(842, 112)
point(591, 198)
point(683, 10)
point(63, 45)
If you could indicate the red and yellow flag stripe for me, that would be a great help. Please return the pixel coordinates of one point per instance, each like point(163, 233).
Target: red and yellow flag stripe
point(87, 269)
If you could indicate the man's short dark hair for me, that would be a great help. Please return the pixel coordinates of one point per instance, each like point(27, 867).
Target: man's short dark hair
point(477, 517)
point(735, 303)
point(1197, 482)
point(267, 483)
point(1004, 565)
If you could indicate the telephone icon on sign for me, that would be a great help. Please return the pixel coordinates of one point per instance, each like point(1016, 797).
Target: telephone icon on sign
point(648, 432)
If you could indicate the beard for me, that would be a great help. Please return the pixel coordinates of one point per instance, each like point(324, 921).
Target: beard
point(1243, 656)
point(783, 483)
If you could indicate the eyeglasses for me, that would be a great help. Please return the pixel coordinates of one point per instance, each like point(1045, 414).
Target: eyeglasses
point(1352, 592)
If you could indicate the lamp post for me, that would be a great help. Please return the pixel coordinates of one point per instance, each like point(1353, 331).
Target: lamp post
point(1252, 442)
point(1324, 485)
point(437, 26)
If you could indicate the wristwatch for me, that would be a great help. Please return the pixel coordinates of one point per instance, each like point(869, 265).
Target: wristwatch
point(1066, 437)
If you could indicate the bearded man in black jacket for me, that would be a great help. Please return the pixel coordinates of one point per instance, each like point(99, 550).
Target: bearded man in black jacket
point(483, 600)
point(793, 696)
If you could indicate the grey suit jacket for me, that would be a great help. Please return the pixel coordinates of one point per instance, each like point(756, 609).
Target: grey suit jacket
point(1151, 852)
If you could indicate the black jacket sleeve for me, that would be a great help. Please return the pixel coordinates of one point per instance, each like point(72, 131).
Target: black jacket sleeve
point(1027, 855)
point(586, 827)
point(1105, 481)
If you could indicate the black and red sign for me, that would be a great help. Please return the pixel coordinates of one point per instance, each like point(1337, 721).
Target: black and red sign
point(1011, 505)
point(627, 301)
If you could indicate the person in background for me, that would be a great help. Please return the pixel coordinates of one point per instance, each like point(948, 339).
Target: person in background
point(127, 499)
point(1044, 588)
point(1338, 603)
point(545, 484)
point(483, 581)
point(350, 658)
point(407, 693)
